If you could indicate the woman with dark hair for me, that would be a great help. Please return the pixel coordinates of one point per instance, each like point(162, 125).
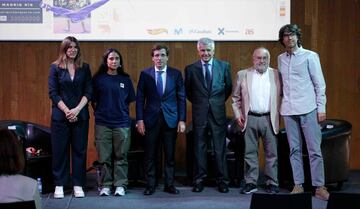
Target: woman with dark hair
point(70, 89)
point(13, 186)
point(113, 92)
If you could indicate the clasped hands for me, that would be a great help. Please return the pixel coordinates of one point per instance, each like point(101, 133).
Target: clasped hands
point(71, 115)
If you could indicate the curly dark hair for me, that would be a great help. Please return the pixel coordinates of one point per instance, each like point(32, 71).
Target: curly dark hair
point(11, 155)
point(290, 28)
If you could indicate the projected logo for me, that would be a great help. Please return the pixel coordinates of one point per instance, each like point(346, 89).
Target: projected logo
point(249, 31)
point(157, 31)
point(199, 31)
point(20, 11)
point(178, 31)
point(221, 31)
point(72, 16)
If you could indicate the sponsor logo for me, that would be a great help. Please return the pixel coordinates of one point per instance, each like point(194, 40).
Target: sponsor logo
point(232, 31)
point(249, 31)
point(221, 31)
point(157, 31)
point(178, 31)
point(199, 31)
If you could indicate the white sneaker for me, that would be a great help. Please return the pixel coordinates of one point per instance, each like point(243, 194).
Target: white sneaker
point(120, 191)
point(78, 192)
point(105, 191)
point(59, 192)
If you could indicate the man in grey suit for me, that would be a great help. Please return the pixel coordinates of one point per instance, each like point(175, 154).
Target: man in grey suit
point(208, 85)
point(256, 99)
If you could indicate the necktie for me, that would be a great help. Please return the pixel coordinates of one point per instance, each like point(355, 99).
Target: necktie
point(159, 83)
point(207, 76)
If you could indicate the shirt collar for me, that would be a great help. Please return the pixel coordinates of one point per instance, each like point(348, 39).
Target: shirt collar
point(296, 52)
point(210, 63)
point(164, 69)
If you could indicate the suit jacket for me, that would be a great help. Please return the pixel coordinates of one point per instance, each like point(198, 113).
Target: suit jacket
point(202, 100)
point(241, 96)
point(172, 103)
point(61, 87)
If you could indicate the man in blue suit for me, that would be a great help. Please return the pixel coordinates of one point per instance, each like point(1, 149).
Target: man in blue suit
point(160, 115)
point(208, 85)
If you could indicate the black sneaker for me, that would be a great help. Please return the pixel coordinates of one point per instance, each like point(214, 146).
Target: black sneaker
point(272, 189)
point(249, 188)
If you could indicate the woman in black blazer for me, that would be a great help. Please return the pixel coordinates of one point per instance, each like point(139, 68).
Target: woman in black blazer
point(70, 89)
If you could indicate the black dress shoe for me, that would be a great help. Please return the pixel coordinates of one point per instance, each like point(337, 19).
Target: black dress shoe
point(223, 188)
point(273, 189)
point(149, 191)
point(171, 189)
point(199, 187)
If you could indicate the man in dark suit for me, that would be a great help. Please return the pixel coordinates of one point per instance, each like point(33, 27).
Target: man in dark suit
point(208, 85)
point(160, 115)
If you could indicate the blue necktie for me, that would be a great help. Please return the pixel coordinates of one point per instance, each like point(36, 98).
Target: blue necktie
point(207, 76)
point(159, 83)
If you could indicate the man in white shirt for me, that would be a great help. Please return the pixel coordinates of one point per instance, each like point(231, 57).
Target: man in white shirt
point(302, 107)
point(256, 100)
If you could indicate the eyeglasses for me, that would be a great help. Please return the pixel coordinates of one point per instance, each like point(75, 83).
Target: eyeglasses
point(289, 34)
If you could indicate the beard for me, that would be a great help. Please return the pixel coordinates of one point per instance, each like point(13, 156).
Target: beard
point(261, 69)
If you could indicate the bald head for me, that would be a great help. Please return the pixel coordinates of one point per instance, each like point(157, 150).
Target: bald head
point(261, 59)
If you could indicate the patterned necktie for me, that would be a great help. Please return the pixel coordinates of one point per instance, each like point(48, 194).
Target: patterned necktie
point(207, 76)
point(159, 83)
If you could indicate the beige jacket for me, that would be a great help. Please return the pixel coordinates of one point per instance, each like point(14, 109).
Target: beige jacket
point(241, 96)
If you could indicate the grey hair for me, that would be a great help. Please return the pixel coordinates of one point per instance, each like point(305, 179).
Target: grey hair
point(206, 42)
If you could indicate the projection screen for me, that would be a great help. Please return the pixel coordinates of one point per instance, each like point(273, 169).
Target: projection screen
point(143, 20)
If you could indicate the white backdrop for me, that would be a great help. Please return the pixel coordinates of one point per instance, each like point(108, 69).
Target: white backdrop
point(138, 20)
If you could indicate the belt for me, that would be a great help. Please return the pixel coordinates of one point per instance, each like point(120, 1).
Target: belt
point(258, 114)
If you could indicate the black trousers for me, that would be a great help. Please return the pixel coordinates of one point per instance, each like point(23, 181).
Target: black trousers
point(160, 132)
point(66, 137)
point(217, 134)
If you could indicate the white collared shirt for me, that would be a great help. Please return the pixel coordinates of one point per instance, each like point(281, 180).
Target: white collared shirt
point(163, 76)
point(260, 92)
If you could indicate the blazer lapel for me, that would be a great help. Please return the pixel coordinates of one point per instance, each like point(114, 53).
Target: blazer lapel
point(151, 72)
point(249, 80)
point(200, 74)
point(169, 80)
point(272, 88)
point(216, 73)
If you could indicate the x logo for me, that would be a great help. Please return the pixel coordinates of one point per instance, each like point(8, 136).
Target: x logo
point(221, 31)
